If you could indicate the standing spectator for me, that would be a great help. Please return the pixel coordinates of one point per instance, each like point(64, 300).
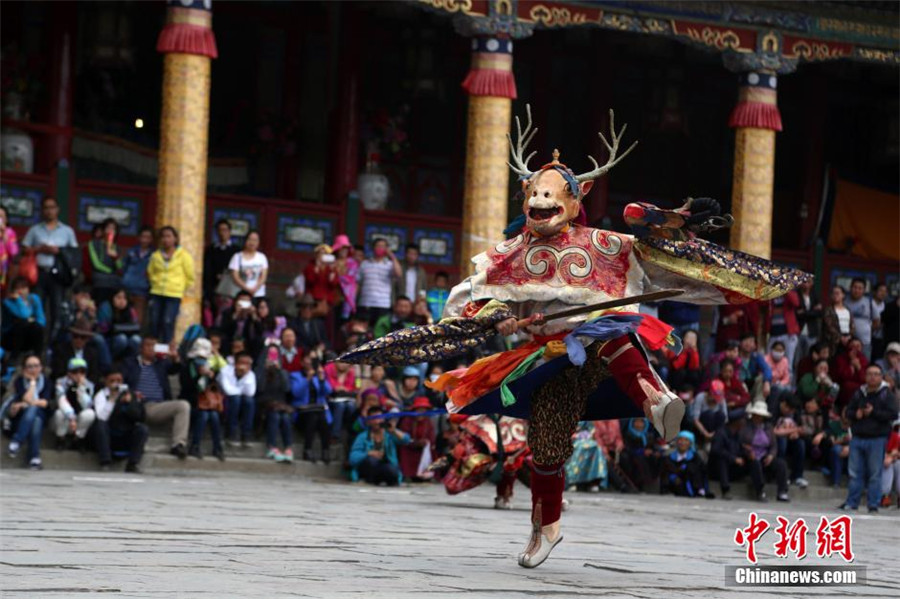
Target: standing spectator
point(273, 390)
point(809, 317)
point(322, 281)
point(790, 438)
point(871, 412)
point(134, 273)
point(860, 306)
point(216, 259)
point(347, 269)
point(342, 379)
point(837, 322)
point(23, 320)
point(9, 247)
point(761, 452)
point(106, 262)
point(148, 377)
point(412, 281)
point(31, 403)
point(890, 476)
point(422, 437)
point(373, 456)
point(47, 238)
point(120, 423)
point(310, 390)
point(291, 355)
point(250, 267)
point(239, 384)
point(375, 275)
point(890, 320)
point(75, 405)
point(850, 370)
point(171, 273)
point(726, 455)
point(785, 327)
point(438, 295)
point(780, 365)
point(118, 321)
point(399, 318)
point(200, 388)
point(310, 331)
point(80, 345)
point(879, 303)
point(733, 323)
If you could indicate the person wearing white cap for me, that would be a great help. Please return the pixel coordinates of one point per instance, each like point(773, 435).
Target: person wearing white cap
point(890, 364)
point(761, 452)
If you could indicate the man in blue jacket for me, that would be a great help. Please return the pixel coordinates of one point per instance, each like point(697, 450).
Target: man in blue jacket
point(373, 456)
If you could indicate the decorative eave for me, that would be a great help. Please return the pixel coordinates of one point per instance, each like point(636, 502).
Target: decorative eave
point(834, 32)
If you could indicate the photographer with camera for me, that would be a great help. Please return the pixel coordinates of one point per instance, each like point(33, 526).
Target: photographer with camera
point(200, 389)
point(373, 456)
point(75, 399)
point(241, 321)
point(120, 423)
point(310, 390)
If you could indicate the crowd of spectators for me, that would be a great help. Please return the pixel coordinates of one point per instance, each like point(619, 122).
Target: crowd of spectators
point(774, 389)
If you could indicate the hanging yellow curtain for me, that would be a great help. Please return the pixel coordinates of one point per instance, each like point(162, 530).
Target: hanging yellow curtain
point(866, 219)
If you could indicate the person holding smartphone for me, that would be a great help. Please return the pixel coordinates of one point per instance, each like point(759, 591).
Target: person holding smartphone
point(120, 423)
point(373, 456)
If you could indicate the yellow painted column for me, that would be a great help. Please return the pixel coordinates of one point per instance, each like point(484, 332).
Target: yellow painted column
point(756, 119)
point(491, 88)
point(189, 46)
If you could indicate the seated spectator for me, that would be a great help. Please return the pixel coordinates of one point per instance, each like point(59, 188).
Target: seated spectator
point(80, 345)
point(74, 413)
point(28, 410)
point(753, 368)
point(731, 352)
point(734, 321)
point(373, 457)
point(890, 364)
point(819, 351)
point(310, 331)
point(120, 423)
point(273, 390)
point(81, 313)
point(871, 411)
point(640, 460)
point(216, 360)
point(342, 401)
point(410, 386)
point(310, 390)
point(736, 393)
point(241, 322)
point(890, 476)
point(291, 354)
point(684, 470)
point(237, 347)
point(791, 441)
point(850, 370)
point(353, 333)
point(761, 452)
point(148, 377)
point(272, 326)
point(587, 468)
point(726, 455)
point(684, 369)
point(438, 295)
point(118, 321)
point(238, 382)
point(838, 433)
point(817, 385)
point(709, 412)
point(608, 434)
point(23, 320)
point(399, 318)
point(421, 432)
point(780, 367)
point(200, 388)
point(421, 315)
point(682, 316)
point(812, 421)
point(378, 381)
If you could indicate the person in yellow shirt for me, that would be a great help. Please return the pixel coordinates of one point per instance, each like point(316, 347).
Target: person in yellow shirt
point(171, 273)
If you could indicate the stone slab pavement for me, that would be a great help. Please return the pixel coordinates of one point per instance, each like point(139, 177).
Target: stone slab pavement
point(73, 534)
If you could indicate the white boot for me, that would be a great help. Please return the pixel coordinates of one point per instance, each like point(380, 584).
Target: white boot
point(502, 503)
point(665, 410)
point(539, 545)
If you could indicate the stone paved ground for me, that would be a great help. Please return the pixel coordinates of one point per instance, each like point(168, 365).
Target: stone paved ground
point(71, 534)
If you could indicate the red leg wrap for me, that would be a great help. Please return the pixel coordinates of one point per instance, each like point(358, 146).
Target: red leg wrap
point(505, 486)
point(625, 367)
point(547, 485)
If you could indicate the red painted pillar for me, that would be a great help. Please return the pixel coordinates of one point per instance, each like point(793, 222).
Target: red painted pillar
point(343, 166)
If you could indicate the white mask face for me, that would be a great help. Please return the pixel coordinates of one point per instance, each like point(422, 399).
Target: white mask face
point(777, 355)
point(433, 377)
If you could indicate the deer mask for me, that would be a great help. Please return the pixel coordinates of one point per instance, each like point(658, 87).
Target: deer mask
point(553, 194)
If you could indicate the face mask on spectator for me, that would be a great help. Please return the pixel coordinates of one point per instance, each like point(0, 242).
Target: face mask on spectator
point(777, 355)
point(380, 252)
point(433, 377)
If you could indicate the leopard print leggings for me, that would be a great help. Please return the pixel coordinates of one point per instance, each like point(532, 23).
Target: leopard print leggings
point(557, 406)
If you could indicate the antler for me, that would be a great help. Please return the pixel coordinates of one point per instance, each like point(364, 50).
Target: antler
point(613, 150)
point(518, 165)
